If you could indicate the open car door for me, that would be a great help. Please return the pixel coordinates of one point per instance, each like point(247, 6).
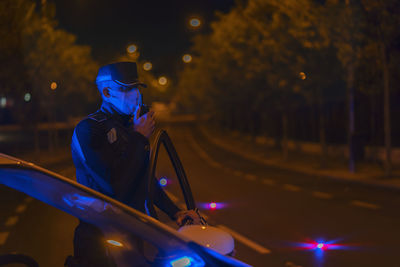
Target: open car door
point(121, 225)
point(167, 171)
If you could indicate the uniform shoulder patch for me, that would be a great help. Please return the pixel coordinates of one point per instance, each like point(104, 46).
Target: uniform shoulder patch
point(97, 116)
point(112, 135)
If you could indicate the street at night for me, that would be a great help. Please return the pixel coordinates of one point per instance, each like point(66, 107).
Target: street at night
point(213, 133)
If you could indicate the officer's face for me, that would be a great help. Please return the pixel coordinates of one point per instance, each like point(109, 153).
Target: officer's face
point(126, 101)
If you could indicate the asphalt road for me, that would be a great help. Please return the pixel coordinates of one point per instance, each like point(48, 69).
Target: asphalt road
point(271, 213)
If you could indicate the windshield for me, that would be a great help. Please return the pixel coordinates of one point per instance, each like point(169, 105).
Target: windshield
point(121, 225)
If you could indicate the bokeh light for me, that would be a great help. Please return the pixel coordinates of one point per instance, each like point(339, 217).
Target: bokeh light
point(163, 181)
point(213, 205)
point(162, 80)
point(147, 66)
point(187, 58)
point(302, 75)
point(53, 86)
point(27, 97)
point(321, 245)
point(131, 49)
point(195, 22)
point(3, 102)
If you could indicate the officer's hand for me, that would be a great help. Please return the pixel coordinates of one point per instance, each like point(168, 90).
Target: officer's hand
point(187, 216)
point(145, 124)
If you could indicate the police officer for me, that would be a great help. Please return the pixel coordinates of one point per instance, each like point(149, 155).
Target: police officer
point(110, 150)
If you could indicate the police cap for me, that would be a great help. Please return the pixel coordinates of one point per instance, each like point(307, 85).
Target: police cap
point(123, 73)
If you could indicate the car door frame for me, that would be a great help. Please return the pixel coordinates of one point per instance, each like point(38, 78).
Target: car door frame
point(162, 138)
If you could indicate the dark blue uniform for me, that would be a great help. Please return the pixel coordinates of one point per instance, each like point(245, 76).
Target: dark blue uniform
point(113, 159)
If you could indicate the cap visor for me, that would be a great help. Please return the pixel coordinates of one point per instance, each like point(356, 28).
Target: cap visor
point(131, 84)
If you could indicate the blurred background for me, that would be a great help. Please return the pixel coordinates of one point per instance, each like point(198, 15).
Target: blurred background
point(303, 71)
point(283, 92)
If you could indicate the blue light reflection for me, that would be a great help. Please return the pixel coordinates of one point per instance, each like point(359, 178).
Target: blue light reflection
point(187, 261)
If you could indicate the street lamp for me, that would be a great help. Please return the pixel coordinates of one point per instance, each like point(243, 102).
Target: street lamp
point(147, 66)
point(187, 58)
point(131, 49)
point(195, 22)
point(53, 86)
point(162, 80)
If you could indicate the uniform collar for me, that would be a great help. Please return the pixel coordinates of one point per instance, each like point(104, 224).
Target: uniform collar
point(109, 109)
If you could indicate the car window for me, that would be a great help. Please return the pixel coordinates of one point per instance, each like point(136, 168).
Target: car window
point(167, 169)
point(167, 179)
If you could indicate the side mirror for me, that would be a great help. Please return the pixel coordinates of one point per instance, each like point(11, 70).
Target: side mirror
point(210, 237)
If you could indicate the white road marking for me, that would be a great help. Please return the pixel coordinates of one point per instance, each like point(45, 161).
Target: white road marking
point(172, 196)
point(291, 264)
point(268, 182)
point(227, 169)
point(292, 188)
point(11, 221)
point(250, 177)
point(202, 153)
point(181, 204)
point(3, 237)
point(215, 164)
point(28, 199)
point(245, 241)
point(238, 173)
point(20, 208)
point(322, 195)
point(365, 205)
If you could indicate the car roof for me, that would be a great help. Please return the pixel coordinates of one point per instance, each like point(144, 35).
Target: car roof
point(93, 207)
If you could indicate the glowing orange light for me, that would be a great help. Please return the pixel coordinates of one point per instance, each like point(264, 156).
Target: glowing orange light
point(302, 75)
point(147, 66)
point(131, 49)
point(53, 86)
point(162, 80)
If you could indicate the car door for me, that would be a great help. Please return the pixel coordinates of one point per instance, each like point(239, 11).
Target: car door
point(166, 170)
point(130, 236)
point(123, 227)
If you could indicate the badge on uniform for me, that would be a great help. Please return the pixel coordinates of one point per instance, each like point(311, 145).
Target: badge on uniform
point(112, 136)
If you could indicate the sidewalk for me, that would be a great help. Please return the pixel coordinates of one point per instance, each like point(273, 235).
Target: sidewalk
point(366, 173)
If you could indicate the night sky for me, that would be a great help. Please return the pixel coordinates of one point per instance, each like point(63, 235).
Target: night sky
point(159, 28)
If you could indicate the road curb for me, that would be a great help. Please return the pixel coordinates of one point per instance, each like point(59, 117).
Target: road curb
point(270, 163)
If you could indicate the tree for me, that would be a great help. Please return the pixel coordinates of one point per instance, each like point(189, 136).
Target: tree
point(249, 60)
point(35, 53)
point(384, 22)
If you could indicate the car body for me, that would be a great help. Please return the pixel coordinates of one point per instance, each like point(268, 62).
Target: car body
point(133, 238)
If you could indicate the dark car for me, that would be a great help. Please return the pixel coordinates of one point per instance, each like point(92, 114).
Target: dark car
point(133, 238)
